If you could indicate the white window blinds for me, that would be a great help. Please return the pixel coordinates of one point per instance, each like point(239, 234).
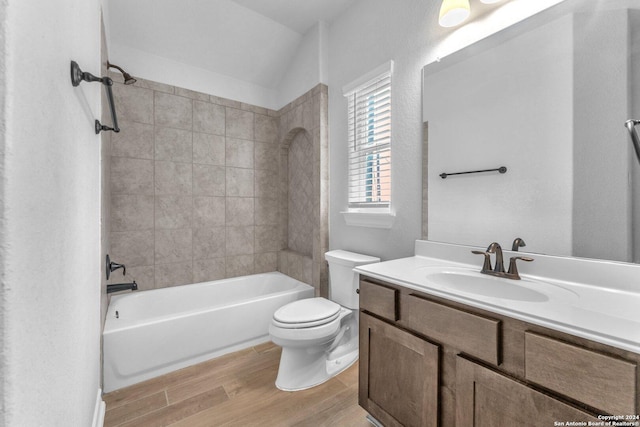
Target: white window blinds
point(369, 116)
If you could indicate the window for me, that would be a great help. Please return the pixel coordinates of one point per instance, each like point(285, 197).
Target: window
point(369, 140)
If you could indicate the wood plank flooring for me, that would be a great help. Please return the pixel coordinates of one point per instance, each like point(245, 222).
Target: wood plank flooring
point(235, 390)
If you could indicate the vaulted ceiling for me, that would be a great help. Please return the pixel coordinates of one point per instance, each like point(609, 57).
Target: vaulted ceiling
point(210, 34)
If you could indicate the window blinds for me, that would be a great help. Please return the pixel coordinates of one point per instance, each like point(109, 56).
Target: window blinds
point(369, 118)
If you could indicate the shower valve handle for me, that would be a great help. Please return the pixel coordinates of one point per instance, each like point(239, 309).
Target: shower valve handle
point(113, 266)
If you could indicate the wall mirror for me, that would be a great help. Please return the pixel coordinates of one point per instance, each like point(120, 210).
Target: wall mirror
point(547, 98)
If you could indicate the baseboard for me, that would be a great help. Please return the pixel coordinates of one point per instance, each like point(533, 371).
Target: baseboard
point(98, 411)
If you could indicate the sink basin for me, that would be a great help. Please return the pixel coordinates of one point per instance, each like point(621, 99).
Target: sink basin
point(472, 282)
point(487, 286)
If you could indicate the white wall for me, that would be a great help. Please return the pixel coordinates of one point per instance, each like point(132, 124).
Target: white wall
point(308, 67)
point(50, 230)
point(370, 33)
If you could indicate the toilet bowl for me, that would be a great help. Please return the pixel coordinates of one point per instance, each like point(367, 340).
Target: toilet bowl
point(319, 337)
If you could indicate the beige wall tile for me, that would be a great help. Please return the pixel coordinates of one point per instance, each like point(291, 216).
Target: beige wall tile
point(266, 262)
point(208, 212)
point(239, 182)
point(131, 212)
point(266, 211)
point(132, 248)
point(240, 211)
point(266, 156)
point(131, 176)
point(206, 270)
point(133, 140)
point(239, 124)
point(173, 212)
point(173, 111)
point(175, 274)
point(192, 94)
point(135, 104)
point(208, 149)
point(266, 128)
point(266, 239)
point(172, 178)
point(208, 243)
point(240, 240)
point(208, 118)
point(220, 182)
point(241, 265)
point(208, 180)
point(173, 246)
point(148, 84)
point(266, 184)
point(174, 145)
point(226, 102)
point(239, 153)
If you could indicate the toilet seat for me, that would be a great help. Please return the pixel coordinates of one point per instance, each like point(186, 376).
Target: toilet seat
point(306, 313)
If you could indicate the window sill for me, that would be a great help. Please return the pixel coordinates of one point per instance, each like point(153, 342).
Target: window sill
point(369, 219)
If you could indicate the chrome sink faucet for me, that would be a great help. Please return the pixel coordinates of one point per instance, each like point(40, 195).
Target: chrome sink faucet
point(498, 267)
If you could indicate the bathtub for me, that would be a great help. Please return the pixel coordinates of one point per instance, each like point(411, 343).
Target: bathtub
point(150, 333)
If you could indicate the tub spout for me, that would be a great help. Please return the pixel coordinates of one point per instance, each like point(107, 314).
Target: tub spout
point(122, 287)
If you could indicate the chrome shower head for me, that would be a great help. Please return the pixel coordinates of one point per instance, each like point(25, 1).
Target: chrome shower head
point(128, 79)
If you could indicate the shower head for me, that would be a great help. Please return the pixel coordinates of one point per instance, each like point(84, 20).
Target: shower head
point(128, 79)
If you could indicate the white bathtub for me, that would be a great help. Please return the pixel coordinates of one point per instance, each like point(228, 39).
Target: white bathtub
point(150, 333)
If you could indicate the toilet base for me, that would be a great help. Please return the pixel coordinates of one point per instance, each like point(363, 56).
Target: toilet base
point(299, 369)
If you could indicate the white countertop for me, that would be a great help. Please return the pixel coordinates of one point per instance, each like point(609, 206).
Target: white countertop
point(607, 311)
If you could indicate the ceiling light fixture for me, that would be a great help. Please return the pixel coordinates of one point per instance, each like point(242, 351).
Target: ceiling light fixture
point(454, 12)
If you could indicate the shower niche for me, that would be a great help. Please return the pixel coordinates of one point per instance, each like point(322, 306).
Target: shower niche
point(303, 189)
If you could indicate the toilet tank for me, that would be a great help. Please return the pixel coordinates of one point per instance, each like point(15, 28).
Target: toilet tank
point(343, 281)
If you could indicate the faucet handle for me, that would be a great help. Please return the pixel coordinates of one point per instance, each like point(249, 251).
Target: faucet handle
point(486, 266)
point(513, 268)
point(113, 266)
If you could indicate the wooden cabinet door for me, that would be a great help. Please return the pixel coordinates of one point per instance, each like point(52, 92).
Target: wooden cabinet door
point(398, 375)
point(486, 398)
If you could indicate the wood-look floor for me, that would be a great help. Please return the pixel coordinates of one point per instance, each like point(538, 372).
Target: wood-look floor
point(235, 390)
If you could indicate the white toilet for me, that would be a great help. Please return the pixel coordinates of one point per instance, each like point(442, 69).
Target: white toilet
point(319, 337)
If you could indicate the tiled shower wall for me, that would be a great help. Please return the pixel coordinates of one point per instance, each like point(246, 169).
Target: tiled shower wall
point(194, 186)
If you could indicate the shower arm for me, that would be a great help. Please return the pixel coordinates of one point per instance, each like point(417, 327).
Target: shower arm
point(77, 76)
point(631, 126)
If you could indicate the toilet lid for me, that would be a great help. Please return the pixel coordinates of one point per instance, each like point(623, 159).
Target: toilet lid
point(311, 310)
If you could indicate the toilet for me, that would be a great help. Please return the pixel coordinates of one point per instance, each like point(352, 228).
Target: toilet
point(319, 336)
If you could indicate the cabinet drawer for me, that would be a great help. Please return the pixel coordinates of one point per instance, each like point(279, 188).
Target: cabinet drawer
point(379, 300)
point(485, 397)
point(599, 380)
point(475, 335)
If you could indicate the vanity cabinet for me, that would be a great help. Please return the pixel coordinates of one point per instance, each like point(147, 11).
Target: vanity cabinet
point(429, 361)
point(399, 383)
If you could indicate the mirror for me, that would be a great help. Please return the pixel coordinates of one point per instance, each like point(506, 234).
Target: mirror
point(548, 99)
